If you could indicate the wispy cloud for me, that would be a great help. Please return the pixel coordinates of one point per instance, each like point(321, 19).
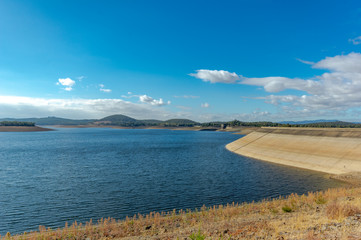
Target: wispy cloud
point(130, 95)
point(102, 89)
point(305, 62)
point(355, 41)
point(187, 97)
point(80, 78)
point(216, 76)
point(205, 105)
point(68, 83)
point(152, 101)
point(183, 107)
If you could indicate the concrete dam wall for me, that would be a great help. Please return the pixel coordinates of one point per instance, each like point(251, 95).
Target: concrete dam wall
point(335, 151)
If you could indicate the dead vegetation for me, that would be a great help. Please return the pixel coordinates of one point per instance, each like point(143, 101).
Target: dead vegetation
point(332, 214)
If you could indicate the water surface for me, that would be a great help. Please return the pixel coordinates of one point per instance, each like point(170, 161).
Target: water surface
point(49, 178)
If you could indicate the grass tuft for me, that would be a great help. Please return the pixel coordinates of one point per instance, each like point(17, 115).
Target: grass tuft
point(286, 209)
point(197, 236)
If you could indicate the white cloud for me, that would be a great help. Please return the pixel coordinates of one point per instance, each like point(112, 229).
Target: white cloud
point(80, 78)
point(334, 92)
point(350, 63)
point(215, 76)
point(152, 101)
point(187, 97)
point(356, 40)
point(67, 83)
point(205, 105)
point(102, 89)
point(277, 84)
point(305, 62)
point(105, 90)
point(130, 95)
point(16, 106)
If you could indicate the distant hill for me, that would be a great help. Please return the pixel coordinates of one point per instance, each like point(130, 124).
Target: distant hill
point(125, 121)
point(179, 122)
point(337, 124)
point(119, 118)
point(115, 120)
point(151, 121)
point(122, 120)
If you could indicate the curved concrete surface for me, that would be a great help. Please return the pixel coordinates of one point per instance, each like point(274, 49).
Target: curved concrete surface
point(336, 155)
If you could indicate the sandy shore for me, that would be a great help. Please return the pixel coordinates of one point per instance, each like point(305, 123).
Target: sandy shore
point(334, 151)
point(23, 129)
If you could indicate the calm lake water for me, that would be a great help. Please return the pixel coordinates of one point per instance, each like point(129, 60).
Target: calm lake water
point(49, 178)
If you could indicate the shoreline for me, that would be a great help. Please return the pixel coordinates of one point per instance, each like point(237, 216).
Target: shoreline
point(236, 130)
point(23, 129)
point(142, 127)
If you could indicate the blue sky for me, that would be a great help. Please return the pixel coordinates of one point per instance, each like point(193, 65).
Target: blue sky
point(204, 60)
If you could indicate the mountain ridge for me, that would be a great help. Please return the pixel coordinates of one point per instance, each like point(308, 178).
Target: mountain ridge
point(126, 121)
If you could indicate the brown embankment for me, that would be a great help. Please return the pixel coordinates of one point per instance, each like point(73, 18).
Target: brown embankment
point(335, 151)
point(23, 129)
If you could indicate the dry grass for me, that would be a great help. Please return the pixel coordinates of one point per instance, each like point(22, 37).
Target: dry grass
point(332, 214)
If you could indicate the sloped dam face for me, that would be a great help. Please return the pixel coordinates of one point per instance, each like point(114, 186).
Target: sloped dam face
point(334, 151)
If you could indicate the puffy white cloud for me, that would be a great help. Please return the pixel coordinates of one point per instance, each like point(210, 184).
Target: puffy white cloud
point(350, 63)
point(277, 84)
point(16, 106)
point(205, 105)
point(215, 76)
point(334, 92)
point(68, 83)
point(152, 101)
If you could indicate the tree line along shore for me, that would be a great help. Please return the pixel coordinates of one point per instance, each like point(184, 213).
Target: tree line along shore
point(16, 123)
point(120, 120)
